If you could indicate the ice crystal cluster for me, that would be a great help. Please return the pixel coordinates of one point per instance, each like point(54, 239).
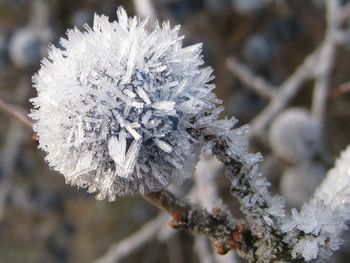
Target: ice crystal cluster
point(323, 219)
point(115, 104)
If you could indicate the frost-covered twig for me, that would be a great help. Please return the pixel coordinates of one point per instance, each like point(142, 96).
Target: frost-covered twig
point(251, 80)
point(325, 60)
point(314, 232)
point(311, 234)
point(264, 213)
point(133, 242)
point(322, 57)
point(286, 92)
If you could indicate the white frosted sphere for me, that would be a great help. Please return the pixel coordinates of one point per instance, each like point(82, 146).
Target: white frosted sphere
point(25, 48)
point(295, 136)
point(299, 183)
point(116, 104)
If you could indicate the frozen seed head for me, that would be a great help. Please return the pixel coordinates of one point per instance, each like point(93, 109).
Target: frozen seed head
point(115, 104)
point(299, 183)
point(295, 136)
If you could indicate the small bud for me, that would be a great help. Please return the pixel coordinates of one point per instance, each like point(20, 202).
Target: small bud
point(233, 244)
point(177, 216)
point(216, 211)
point(173, 224)
point(220, 248)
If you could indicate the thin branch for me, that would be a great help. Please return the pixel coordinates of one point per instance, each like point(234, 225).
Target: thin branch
point(9, 153)
point(344, 13)
point(17, 112)
point(207, 169)
point(286, 92)
point(251, 80)
point(133, 242)
point(340, 90)
point(217, 226)
point(203, 250)
point(325, 61)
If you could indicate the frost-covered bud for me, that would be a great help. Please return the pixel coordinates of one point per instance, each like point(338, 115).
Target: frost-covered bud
point(24, 48)
point(299, 183)
point(27, 46)
point(115, 105)
point(295, 136)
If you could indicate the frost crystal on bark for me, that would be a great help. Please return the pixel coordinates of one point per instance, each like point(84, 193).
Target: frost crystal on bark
point(115, 104)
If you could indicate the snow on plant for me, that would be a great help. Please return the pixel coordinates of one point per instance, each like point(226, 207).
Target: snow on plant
point(114, 105)
point(121, 110)
point(323, 218)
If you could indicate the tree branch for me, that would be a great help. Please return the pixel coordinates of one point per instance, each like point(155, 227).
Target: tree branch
point(252, 81)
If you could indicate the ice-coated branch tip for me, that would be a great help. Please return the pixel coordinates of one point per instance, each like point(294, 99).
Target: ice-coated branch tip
point(115, 103)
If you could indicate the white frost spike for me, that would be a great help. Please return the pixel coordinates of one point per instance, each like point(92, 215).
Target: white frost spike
point(164, 106)
point(164, 146)
point(125, 160)
point(140, 91)
point(114, 106)
point(117, 148)
point(335, 189)
point(133, 132)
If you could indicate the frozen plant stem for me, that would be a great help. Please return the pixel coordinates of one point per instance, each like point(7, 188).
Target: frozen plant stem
point(217, 226)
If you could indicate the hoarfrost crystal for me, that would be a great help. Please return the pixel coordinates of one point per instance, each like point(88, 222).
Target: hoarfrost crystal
point(115, 105)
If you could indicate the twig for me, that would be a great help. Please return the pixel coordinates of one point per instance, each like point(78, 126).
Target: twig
point(207, 169)
point(325, 61)
point(340, 90)
point(174, 250)
point(217, 227)
point(17, 112)
point(133, 242)
point(9, 154)
point(203, 250)
point(252, 81)
point(344, 13)
point(205, 190)
point(285, 93)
